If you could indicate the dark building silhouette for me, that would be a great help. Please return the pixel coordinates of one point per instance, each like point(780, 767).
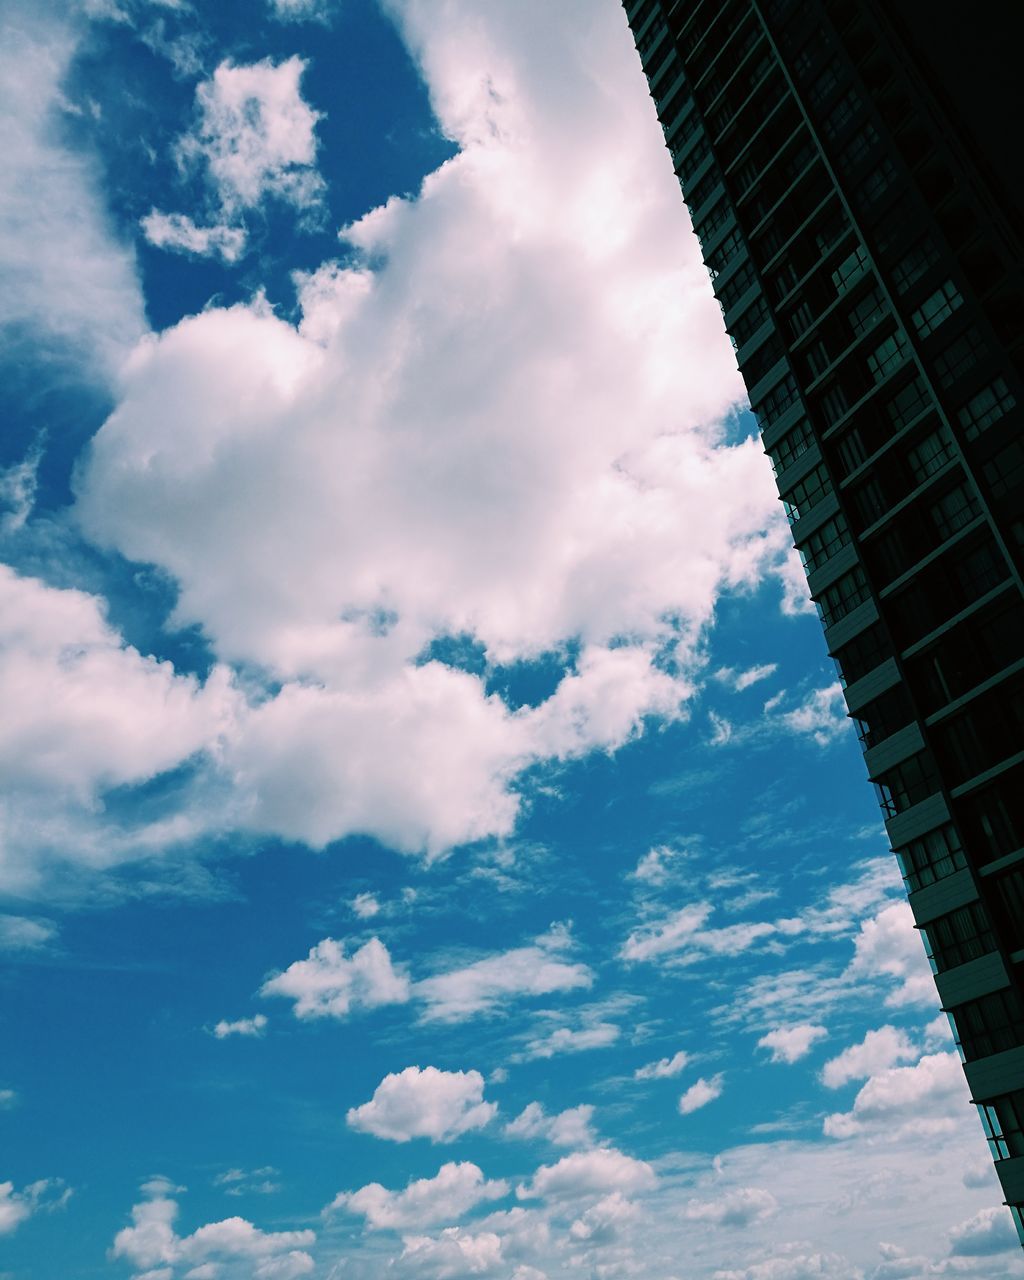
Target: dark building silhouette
point(861, 220)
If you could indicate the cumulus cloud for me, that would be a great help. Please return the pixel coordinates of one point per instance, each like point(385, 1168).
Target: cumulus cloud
point(790, 1044)
point(569, 1128)
point(585, 1173)
point(69, 284)
point(536, 317)
point(424, 1103)
point(178, 232)
point(664, 1068)
point(887, 945)
point(569, 1040)
point(451, 1193)
point(822, 715)
point(332, 984)
point(879, 1050)
point(254, 1026)
point(988, 1231)
point(452, 1254)
point(152, 1242)
point(933, 1084)
point(739, 1207)
point(602, 1222)
point(366, 906)
point(700, 1094)
point(795, 1264)
point(256, 135)
point(43, 1196)
point(482, 986)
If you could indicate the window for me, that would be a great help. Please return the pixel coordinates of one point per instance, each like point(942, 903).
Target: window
point(953, 511)
point(826, 82)
point(800, 319)
point(850, 269)
point(736, 286)
point(878, 181)
point(689, 165)
point(908, 403)
point(912, 266)
point(1003, 1122)
point(720, 257)
point(772, 406)
point(760, 362)
point(989, 405)
point(843, 597)
point(647, 42)
point(1008, 902)
point(991, 1024)
point(746, 325)
point(958, 358)
point(936, 308)
point(883, 716)
point(850, 449)
point(962, 935)
point(933, 857)
point(833, 403)
point(700, 192)
point(1005, 472)
point(842, 113)
point(863, 314)
point(713, 221)
point(907, 783)
point(823, 544)
point(931, 455)
point(862, 654)
point(685, 130)
point(887, 356)
point(791, 446)
point(864, 143)
point(807, 493)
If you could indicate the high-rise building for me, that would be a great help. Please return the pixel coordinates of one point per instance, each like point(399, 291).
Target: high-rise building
point(863, 235)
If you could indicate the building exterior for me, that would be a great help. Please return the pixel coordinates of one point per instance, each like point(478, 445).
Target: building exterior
point(865, 247)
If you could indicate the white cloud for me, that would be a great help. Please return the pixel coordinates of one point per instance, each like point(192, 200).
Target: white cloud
point(569, 1128)
point(822, 715)
point(988, 1231)
point(254, 1026)
point(427, 1103)
point(301, 10)
point(743, 679)
point(931, 1085)
point(794, 1265)
point(451, 1255)
point(482, 986)
point(738, 1207)
point(256, 135)
point(366, 906)
point(586, 1173)
point(700, 1094)
point(879, 1049)
point(69, 285)
point(671, 934)
point(790, 1044)
point(888, 945)
point(567, 355)
point(569, 1040)
point(246, 1182)
point(178, 232)
point(22, 933)
point(451, 1193)
point(331, 984)
point(664, 1068)
point(152, 1241)
point(602, 1222)
point(16, 1207)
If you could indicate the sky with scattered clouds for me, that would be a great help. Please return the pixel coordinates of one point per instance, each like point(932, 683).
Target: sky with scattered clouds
point(432, 844)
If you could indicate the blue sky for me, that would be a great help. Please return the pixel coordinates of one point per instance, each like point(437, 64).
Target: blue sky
point(432, 842)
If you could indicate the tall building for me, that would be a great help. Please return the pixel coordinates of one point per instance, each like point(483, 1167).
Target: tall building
point(863, 235)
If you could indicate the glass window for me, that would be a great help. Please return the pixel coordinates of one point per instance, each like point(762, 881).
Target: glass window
point(1005, 472)
point(806, 493)
point(825, 84)
point(887, 356)
point(833, 403)
point(959, 357)
point(850, 449)
point(936, 308)
point(747, 324)
point(842, 113)
point(863, 314)
point(878, 181)
point(772, 406)
point(723, 253)
point(794, 443)
point(955, 509)
point(960, 936)
point(908, 403)
point(907, 783)
point(862, 654)
point(823, 544)
point(932, 857)
point(713, 221)
point(736, 286)
point(1003, 1122)
point(864, 143)
point(883, 716)
point(991, 1024)
point(989, 405)
point(912, 266)
point(850, 269)
point(843, 597)
point(930, 455)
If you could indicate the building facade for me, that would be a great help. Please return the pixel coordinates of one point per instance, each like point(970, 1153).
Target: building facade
point(865, 246)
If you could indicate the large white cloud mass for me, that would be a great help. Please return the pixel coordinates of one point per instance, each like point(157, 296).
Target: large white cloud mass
point(498, 419)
